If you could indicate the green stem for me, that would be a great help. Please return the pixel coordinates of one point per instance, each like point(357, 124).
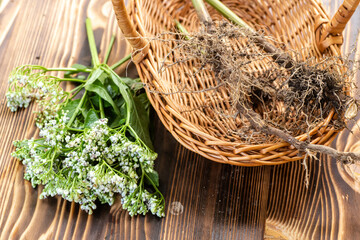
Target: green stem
point(201, 10)
point(139, 197)
point(228, 14)
point(102, 113)
point(83, 111)
point(71, 80)
point(112, 40)
point(75, 129)
point(153, 184)
point(77, 109)
point(114, 170)
point(119, 63)
point(76, 90)
point(92, 44)
point(52, 158)
point(280, 57)
point(182, 29)
point(68, 69)
point(111, 71)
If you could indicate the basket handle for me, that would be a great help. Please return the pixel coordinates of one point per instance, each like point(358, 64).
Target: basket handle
point(140, 45)
point(328, 32)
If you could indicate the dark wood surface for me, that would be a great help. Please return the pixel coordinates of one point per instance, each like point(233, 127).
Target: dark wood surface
point(205, 200)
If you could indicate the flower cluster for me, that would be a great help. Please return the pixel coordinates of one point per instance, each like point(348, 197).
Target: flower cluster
point(91, 165)
point(79, 156)
point(29, 82)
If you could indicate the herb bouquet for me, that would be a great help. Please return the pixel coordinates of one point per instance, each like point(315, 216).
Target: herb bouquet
point(90, 147)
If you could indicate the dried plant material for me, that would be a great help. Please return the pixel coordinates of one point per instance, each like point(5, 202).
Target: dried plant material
point(290, 97)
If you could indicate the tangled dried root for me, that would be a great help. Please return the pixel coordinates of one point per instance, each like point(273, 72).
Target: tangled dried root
point(292, 95)
point(269, 96)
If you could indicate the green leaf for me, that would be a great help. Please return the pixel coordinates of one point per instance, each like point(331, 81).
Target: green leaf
point(117, 122)
point(81, 77)
point(152, 177)
point(70, 107)
point(114, 119)
point(144, 101)
point(95, 101)
point(103, 77)
point(112, 88)
point(78, 123)
point(94, 76)
point(79, 66)
point(87, 105)
point(138, 117)
point(119, 101)
point(134, 84)
point(98, 88)
point(139, 121)
point(91, 117)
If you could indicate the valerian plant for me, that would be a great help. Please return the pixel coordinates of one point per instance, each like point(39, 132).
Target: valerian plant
point(90, 147)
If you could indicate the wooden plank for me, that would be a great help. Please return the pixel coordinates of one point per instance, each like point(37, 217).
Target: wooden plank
point(204, 199)
point(329, 207)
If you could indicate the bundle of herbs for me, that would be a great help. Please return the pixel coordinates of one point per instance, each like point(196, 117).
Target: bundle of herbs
point(291, 97)
point(91, 147)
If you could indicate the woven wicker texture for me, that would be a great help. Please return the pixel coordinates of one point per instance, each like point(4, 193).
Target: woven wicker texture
point(300, 24)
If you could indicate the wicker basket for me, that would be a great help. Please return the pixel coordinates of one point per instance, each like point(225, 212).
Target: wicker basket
point(301, 24)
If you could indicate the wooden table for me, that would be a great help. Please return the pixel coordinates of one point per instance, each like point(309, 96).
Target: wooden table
point(204, 199)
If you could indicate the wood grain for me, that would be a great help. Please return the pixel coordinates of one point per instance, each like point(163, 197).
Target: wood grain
point(329, 207)
point(204, 199)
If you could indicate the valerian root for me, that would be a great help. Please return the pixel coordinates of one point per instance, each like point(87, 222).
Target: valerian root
point(259, 124)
